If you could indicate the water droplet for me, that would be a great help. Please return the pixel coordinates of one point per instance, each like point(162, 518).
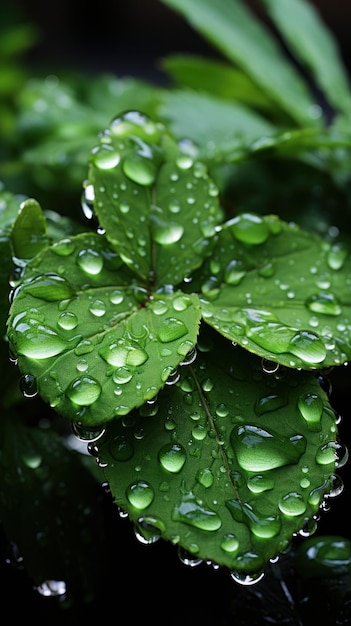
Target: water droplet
point(87, 433)
point(117, 296)
point(190, 512)
point(52, 588)
point(259, 450)
point(230, 543)
point(308, 347)
point(172, 457)
point(121, 448)
point(272, 402)
point(184, 162)
point(336, 257)
point(67, 320)
point(84, 390)
point(205, 477)
point(65, 247)
point(28, 386)
point(264, 527)
point(249, 228)
point(165, 232)
point(124, 352)
point(150, 529)
point(292, 504)
point(234, 272)
point(327, 453)
point(98, 308)
point(325, 303)
point(139, 169)
point(259, 483)
point(171, 329)
point(140, 494)
point(324, 557)
point(90, 261)
point(311, 408)
point(105, 157)
point(37, 341)
point(49, 287)
point(122, 375)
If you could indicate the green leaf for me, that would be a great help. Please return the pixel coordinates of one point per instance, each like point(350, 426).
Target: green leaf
point(279, 291)
point(217, 78)
point(229, 463)
point(238, 34)
point(314, 44)
point(154, 201)
point(95, 342)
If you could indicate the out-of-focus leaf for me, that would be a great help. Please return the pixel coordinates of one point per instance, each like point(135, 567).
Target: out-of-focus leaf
point(29, 232)
point(229, 128)
point(229, 463)
point(217, 78)
point(50, 509)
point(232, 28)
point(314, 44)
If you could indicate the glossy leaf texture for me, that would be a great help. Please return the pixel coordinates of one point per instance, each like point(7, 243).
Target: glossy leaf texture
point(278, 291)
point(154, 199)
point(95, 343)
point(228, 463)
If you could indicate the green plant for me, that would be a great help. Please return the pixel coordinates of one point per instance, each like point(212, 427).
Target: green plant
point(188, 331)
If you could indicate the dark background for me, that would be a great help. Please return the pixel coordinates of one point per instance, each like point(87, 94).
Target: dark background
point(130, 36)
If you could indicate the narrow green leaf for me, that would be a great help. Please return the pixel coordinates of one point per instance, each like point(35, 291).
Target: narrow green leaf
point(94, 342)
point(279, 292)
point(229, 463)
point(314, 44)
point(217, 78)
point(240, 36)
point(154, 201)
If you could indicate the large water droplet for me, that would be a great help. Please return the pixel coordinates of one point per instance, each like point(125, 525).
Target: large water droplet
point(308, 347)
point(264, 527)
point(292, 504)
point(166, 232)
point(311, 408)
point(171, 329)
point(337, 256)
point(249, 228)
point(67, 320)
point(124, 352)
point(140, 494)
point(90, 261)
point(271, 402)
point(259, 450)
point(37, 341)
point(325, 303)
point(106, 157)
point(172, 457)
point(190, 512)
point(139, 169)
point(49, 287)
point(84, 390)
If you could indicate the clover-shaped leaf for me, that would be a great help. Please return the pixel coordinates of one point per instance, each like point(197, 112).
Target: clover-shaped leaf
point(94, 341)
point(229, 462)
point(279, 291)
point(157, 204)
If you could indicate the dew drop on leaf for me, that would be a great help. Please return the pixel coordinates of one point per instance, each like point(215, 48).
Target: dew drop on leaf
point(121, 448)
point(28, 385)
point(105, 157)
point(336, 257)
point(258, 450)
point(311, 408)
point(37, 341)
point(65, 247)
point(140, 494)
point(308, 347)
point(84, 390)
point(90, 261)
point(325, 303)
point(326, 453)
point(67, 320)
point(166, 232)
point(171, 329)
point(249, 228)
point(230, 543)
point(172, 457)
point(124, 353)
point(190, 512)
point(139, 169)
point(292, 504)
point(49, 287)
